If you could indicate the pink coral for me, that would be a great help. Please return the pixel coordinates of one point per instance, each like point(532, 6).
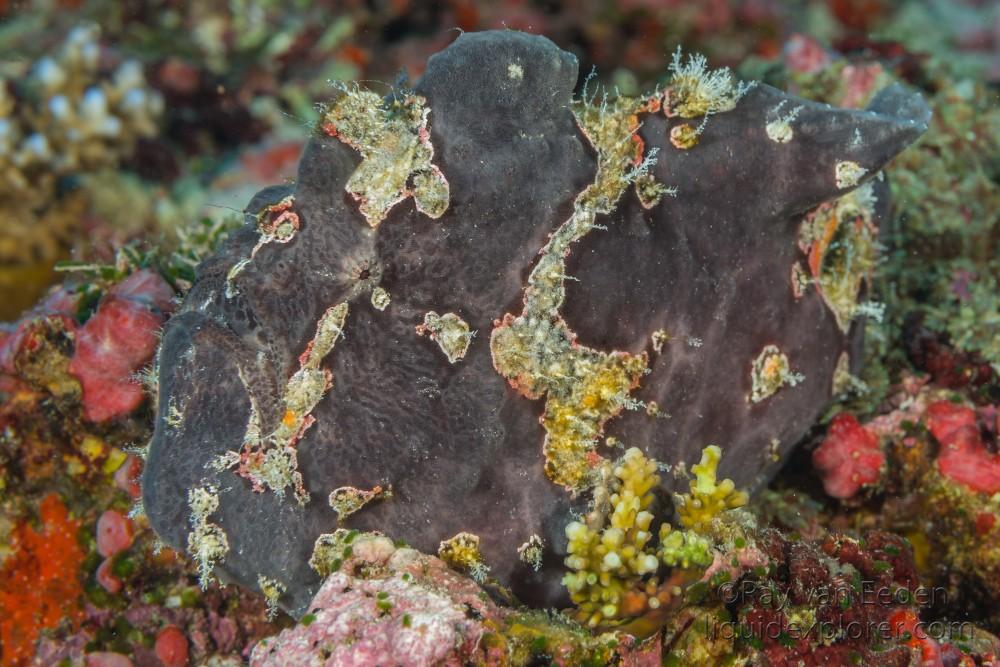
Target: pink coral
point(963, 456)
point(805, 55)
point(117, 341)
point(106, 578)
point(114, 533)
point(849, 457)
point(419, 613)
point(171, 647)
point(128, 475)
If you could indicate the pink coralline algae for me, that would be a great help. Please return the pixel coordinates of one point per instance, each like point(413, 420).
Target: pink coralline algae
point(415, 612)
point(849, 458)
point(116, 342)
point(963, 456)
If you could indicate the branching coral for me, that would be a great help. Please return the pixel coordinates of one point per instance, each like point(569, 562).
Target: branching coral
point(611, 556)
point(64, 117)
point(708, 497)
point(606, 561)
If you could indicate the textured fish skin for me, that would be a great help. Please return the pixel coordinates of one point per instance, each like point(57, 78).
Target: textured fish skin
point(461, 449)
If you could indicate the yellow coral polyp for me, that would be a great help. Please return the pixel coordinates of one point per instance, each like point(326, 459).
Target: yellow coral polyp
point(611, 556)
point(708, 497)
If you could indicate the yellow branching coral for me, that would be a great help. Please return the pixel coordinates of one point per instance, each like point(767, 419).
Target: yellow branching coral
point(708, 497)
point(608, 561)
point(612, 559)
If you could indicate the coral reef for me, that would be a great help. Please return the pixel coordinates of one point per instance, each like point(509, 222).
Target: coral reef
point(63, 118)
point(79, 576)
point(650, 325)
point(389, 604)
point(755, 596)
point(437, 431)
point(927, 458)
point(39, 586)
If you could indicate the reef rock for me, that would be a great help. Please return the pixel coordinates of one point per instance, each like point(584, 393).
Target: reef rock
point(569, 275)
